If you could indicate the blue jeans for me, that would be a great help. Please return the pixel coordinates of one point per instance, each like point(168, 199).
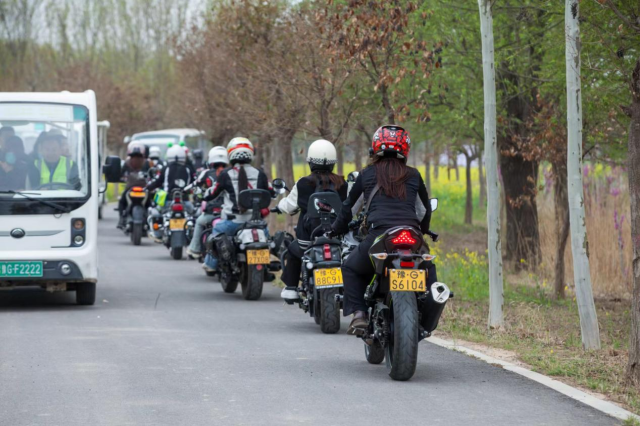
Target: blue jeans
point(227, 227)
point(201, 223)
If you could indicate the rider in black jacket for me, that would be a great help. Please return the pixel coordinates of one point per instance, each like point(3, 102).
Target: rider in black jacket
point(401, 198)
point(322, 158)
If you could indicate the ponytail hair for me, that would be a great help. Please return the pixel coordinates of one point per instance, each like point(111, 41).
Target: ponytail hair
point(328, 180)
point(243, 183)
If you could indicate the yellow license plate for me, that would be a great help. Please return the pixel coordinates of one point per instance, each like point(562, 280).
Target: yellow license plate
point(330, 277)
point(177, 224)
point(137, 194)
point(407, 280)
point(258, 257)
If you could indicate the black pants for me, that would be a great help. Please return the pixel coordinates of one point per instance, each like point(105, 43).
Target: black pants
point(358, 272)
point(293, 265)
point(293, 259)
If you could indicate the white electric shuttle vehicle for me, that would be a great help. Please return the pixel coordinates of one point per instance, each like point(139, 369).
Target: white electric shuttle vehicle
point(49, 195)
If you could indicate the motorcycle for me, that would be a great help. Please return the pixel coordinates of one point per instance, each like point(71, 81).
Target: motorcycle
point(136, 221)
point(403, 309)
point(245, 258)
point(321, 276)
point(177, 225)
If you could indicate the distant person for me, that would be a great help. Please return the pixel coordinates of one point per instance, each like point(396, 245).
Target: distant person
point(14, 167)
point(133, 174)
point(5, 133)
point(53, 167)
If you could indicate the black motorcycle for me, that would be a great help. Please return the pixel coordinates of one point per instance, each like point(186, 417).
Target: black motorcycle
point(136, 213)
point(177, 224)
point(404, 304)
point(322, 283)
point(245, 258)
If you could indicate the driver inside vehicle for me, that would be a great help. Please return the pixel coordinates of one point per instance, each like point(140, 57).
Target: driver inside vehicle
point(52, 167)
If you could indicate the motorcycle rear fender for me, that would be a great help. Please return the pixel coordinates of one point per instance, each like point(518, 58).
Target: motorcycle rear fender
point(245, 236)
point(137, 213)
point(178, 239)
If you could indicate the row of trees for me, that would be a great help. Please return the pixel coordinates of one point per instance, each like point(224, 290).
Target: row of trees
point(279, 72)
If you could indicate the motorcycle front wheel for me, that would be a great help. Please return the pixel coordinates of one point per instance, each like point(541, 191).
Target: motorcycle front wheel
point(252, 282)
point(402, 349)
point(229, 283)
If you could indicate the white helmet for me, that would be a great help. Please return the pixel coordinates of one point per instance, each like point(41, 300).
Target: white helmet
point(155, 152)
point(322, 155)
point(240, 150)
point(176, 153)
point(218, 154)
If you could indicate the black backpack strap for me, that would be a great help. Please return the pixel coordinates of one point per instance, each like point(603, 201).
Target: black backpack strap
point(374, 191)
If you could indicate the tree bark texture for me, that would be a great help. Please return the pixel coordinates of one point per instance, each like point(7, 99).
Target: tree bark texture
point(634, 195)
point(483, 184)
point(357, 153)
point(519, 177)
point(427, 165)
point(468, 209)
point(579, 245)
point(496, 297)
point(561, 203)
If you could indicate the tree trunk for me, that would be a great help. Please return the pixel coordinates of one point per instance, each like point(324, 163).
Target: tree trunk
point(357, 153)
point(427, 165)
point(455, 165)
point(634, 195)
point(340, 152)
point(436, 165)
point(579, 244)
point(561, 203)
point(483, 184)
point(468, 210)
point(496, 298)
point(523, 235)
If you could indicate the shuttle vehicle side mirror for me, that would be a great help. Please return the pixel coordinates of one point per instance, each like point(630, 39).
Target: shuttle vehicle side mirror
point(112, 169)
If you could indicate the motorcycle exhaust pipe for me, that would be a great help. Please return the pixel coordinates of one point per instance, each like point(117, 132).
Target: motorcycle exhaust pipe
point(434, 305)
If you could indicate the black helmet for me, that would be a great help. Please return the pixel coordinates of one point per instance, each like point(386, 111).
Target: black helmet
point(198, 154)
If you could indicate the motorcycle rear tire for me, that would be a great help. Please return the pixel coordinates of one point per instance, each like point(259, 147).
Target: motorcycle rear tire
point(176, 252)
point(402, 349)
point(252, 282)
point(374, 352)
point(329, 311)
point(136, 234)
point(210, 273)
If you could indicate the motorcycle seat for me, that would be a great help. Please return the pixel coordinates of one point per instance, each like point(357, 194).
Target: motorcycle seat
point(320, 241)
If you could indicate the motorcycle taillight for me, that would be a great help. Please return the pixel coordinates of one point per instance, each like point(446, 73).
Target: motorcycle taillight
point(256, 237)
point(404, 264)
point(404, 238)
point(177, 207)
point(327, 252)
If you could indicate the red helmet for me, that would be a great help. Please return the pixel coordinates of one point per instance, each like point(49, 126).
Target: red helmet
point(391, 140)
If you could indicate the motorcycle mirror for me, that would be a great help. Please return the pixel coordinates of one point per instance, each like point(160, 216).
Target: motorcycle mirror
point(434, 204)
point(112, 169)
point(351, 177)
point(278, 184)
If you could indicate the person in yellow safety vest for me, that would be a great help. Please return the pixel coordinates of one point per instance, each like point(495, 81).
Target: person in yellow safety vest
point(53, 167)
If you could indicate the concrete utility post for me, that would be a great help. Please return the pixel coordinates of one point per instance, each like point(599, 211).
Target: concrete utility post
point(579, 244)
point(496, 298)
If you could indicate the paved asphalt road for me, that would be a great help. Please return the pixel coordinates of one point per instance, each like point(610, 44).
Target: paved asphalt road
point(165, 346)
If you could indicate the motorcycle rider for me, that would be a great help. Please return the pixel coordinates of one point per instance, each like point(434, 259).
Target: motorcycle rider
point(198, 159)
point(217, 161)
point(155, 158)
point(233, 180)
point(399, 193)
point(322, 157)
point(133, 174)
point(177, 174)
